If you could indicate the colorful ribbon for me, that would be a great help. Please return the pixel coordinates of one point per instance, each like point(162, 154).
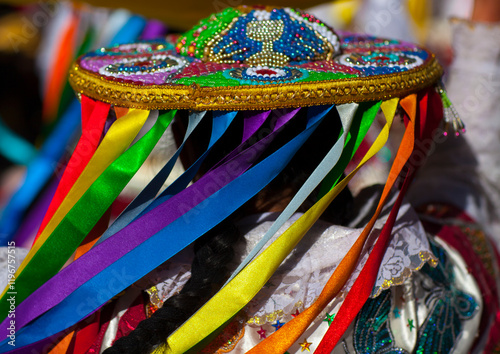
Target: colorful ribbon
point(363, 285)
point(220, 123)
point(156, 249)
point(425, 127)
point(94, 115)
point(41, 168)
point(60, 240)
point(328, 166)
point(14, 147)
point(236, 294)
point(281, 340)
point(38, 172)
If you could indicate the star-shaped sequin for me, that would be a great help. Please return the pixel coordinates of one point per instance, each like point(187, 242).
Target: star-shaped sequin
point(396, 313)
point(410, 324)
point(329, 318)
point(278, 324)
point(296, 313)
point(262, 333)
point(305, 345)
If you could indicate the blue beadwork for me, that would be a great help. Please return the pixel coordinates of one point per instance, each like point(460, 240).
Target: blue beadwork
point(298, 41)
point(240, 74)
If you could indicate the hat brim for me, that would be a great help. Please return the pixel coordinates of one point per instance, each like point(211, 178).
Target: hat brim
point(151, 75)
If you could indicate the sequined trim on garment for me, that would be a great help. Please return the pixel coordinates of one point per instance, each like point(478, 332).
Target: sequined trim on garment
point(227, 340)
point(425, 257)
point(273, 316)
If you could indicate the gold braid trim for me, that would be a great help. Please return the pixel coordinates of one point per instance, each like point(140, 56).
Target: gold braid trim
point(258, 97)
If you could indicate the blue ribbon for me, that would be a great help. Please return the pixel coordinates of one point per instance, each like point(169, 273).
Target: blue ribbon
point(14, 147)
point(41, 168)
point(163, 245)
point(39, 171)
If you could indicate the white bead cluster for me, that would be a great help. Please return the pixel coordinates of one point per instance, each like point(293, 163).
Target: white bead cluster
point(253, 71)
point(262, 15)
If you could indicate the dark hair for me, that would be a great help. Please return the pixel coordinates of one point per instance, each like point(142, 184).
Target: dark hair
point(214, 250)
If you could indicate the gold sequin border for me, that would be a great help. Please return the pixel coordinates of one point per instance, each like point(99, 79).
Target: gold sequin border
point(302, 94)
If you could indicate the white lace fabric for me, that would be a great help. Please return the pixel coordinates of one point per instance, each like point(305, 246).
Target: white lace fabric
point(301, 277)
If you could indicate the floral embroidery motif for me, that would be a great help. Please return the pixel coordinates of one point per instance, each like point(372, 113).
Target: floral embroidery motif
point(278, 325)
point(329, 318)
point(305, 345)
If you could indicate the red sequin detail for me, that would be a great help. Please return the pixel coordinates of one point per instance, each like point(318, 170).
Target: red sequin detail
point(265, 72)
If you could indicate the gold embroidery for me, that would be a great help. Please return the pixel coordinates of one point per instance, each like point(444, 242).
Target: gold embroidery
point(258, 97)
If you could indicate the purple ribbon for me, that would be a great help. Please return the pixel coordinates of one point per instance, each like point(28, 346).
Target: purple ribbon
point(106, 253)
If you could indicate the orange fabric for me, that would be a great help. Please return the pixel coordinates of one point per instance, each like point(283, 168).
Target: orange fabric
point(59, 70)
point(63, 345)
point(281, 340)
point(365, 281)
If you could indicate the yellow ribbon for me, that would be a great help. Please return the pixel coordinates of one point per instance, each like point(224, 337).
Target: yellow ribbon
point(280, 341)
point(237, 293)
point(115, 142)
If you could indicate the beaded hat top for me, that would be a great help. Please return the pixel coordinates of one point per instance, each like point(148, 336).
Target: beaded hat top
point(261, 83)
point(254, 58)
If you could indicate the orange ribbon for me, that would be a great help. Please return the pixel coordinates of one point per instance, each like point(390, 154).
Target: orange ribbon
point(281, 340)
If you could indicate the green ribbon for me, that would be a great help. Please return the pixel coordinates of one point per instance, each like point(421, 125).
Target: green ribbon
point(80, 220)
point(363, 120)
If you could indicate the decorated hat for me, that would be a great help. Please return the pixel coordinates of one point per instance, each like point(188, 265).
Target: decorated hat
point(249, 64)
point(255, 58)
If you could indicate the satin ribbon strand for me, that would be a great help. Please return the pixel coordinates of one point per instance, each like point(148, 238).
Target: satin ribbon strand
point(38, 172)
point(280, 341)
point(115, 142)
point(155, 250)
point(41, 168)
point(151, 190)
point(429, 115)
point(146, 226)
point(365, 116)
point(48, 257)
point(94, 115)
point(14, 147)
point(363, 285)
point(236, 294)
point(346, 113)
point(251, 123)
point(50, 297)
point(281, 117)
